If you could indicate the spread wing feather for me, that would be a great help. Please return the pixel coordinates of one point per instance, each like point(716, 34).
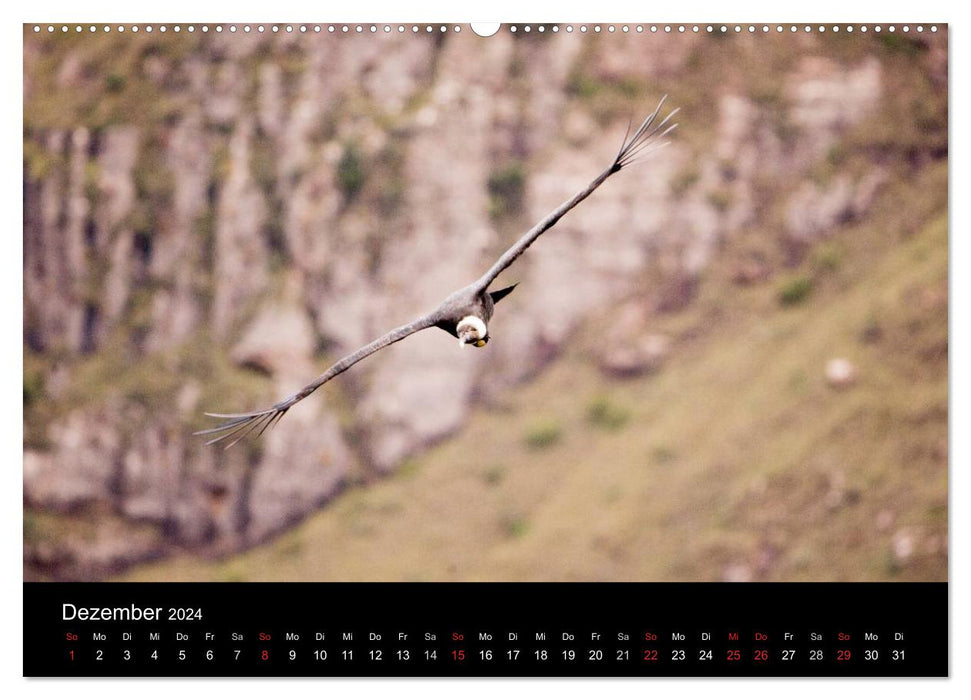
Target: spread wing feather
point(645, 139)
point(239, 425)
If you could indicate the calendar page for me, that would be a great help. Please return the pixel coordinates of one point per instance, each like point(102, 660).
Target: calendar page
point(568, 349)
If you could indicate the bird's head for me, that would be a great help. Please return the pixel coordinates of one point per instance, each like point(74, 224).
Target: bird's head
point(471, 330)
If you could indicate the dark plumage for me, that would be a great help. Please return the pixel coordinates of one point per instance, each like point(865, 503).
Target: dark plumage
point(465, 313)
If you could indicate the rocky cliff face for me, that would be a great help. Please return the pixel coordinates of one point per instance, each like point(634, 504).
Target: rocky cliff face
point(209, 221)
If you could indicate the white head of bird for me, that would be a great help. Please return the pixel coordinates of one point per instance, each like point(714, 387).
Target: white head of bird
point(471, 330)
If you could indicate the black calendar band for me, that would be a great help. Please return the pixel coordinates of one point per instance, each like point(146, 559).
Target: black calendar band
point(480, 629)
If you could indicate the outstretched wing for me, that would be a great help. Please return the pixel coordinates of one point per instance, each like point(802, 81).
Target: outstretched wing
point(646, 138)
point(239, 425)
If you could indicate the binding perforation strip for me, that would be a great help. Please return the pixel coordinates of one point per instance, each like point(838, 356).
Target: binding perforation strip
point(511, 28)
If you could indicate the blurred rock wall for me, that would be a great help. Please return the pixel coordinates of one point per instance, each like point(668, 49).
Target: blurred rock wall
point(210, 221)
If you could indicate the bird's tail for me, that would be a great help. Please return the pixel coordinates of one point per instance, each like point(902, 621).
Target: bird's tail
point(648, 137)
point(500, 293)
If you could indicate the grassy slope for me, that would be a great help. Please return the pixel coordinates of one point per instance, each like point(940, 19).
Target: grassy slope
point(736, 456)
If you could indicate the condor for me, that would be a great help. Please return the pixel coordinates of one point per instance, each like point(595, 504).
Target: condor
point(465, 313)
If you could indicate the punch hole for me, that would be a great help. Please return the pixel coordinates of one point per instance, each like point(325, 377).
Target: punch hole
point(485, 29)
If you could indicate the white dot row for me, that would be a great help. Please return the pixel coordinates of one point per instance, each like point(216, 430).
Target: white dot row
point(569, 28)
point(246, 28)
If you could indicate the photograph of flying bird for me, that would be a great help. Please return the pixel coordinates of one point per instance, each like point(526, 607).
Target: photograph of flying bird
point(465, 313)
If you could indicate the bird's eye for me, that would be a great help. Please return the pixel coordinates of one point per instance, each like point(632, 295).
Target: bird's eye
point(482, 341)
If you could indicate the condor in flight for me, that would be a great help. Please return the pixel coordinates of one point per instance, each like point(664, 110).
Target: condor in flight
point(465, 313)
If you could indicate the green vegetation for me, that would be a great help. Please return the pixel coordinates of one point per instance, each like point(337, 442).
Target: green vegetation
point(603, 413)
point(507, 190)
point(720, 199)
point(543, 434)
point(514, 526)
point(493, 475)
point(900, 44)
point(351, 172)
point(662, 455)
point(115, 82)
point(582, 85)
point(795, 290)
point(33, 386)
point(684, 180)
